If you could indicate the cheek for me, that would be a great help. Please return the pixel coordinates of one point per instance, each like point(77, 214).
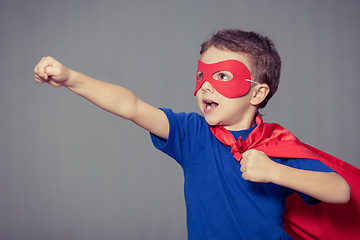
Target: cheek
point(199, 101)
point(234, 105)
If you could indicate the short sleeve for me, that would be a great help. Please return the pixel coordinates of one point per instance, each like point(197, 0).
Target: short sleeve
point(185, 134)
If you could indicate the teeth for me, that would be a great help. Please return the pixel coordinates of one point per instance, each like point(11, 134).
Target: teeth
point(209, 104)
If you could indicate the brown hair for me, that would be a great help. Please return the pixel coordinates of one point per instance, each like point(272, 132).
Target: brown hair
point(264, 59)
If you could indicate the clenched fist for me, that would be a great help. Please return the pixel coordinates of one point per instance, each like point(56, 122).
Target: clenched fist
point(52, 72)
point(256, 166)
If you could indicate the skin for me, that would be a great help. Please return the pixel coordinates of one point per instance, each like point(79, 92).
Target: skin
point(233, 114)
point(227, 112)
point(110, 97)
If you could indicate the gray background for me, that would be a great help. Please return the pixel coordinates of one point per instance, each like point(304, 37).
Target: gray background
point(69, 170)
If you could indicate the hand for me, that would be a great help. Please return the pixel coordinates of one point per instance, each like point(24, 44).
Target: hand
point(256, 166)
point(52, 72)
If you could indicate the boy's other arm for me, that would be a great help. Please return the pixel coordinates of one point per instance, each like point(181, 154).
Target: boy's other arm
point(110, 97)
point(327, 187)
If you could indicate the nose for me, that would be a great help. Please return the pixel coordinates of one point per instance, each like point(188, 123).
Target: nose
point(207, 87)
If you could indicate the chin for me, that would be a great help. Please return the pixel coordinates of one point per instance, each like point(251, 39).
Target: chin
point(211, 122)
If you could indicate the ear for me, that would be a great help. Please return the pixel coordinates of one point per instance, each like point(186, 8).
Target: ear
point(259, 94)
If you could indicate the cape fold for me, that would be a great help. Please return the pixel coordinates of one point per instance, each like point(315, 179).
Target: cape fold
point(320, 221)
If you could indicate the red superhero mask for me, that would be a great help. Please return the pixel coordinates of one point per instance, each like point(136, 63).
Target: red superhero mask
point(237, 86)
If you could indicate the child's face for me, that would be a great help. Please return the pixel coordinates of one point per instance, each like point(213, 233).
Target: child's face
point(218, 109)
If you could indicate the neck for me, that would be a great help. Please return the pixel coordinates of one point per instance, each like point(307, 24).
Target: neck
point(245, 124)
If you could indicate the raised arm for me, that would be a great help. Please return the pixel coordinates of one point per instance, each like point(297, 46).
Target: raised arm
point(110, 97)
point(327, 187)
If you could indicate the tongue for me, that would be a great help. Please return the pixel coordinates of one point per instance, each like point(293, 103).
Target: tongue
point(214, 105)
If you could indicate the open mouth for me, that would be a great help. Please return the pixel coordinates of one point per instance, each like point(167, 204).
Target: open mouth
point(209, 105)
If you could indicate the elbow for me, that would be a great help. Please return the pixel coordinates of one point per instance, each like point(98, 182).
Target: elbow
point(343, 191)
point(346, 193)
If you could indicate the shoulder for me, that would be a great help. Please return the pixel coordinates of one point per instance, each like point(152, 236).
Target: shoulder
point(186, 126)
point(187, 131)
point(182, 118)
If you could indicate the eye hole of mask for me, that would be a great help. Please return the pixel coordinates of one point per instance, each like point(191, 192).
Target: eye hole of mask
point(199, 75)
point(223, 76)
point(220, 76)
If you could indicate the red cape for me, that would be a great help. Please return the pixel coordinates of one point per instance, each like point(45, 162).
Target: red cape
point(320, 221)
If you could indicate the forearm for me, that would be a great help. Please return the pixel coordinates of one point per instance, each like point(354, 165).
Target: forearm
point(119, 101)
point(326, 187)
point(110, 97)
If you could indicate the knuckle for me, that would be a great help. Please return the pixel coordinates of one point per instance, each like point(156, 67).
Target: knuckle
point(246, 176)
point(249, 152)
point(253, 151)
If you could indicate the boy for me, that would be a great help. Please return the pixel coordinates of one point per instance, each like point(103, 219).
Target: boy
point(238, 72)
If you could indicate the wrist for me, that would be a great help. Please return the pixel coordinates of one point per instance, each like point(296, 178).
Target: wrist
point(73, 79)
point(276, 173)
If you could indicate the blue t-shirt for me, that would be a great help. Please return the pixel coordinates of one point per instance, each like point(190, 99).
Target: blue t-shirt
point(220, 203)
